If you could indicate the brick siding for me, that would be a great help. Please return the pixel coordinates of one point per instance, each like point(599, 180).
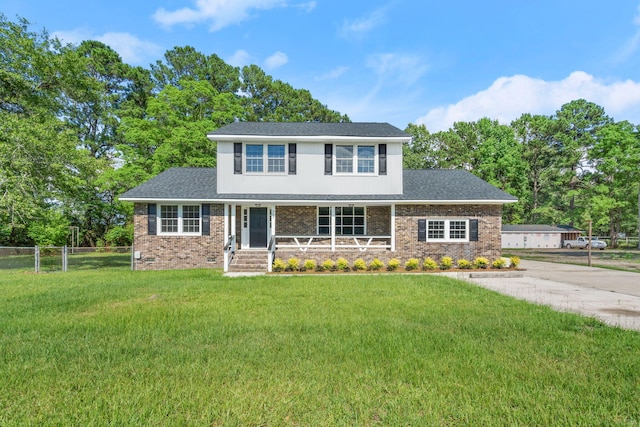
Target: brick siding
point(178, 252)
point(171, 252)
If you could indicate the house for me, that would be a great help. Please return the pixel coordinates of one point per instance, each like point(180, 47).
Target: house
point(314, 191)
point(536, 235)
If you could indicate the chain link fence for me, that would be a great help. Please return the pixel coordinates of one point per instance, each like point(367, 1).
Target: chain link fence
point(44, 259)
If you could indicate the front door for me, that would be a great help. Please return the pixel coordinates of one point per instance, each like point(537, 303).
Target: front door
point(258, 227)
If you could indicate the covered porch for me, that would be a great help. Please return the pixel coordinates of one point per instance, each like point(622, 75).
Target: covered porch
point(321, 229)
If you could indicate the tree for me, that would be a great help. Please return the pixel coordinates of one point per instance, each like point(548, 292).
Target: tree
point(500, 163)
point(37, 150)
point(174, 128)
point(182, 64)
point(578, 124)
point(615, 156)
point(535, 134)
point(275, 101)
point(419, 153)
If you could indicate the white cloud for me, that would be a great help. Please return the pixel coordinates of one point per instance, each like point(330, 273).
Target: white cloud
point(631, 46)
point(239, 59)
point(307, 7)
point(393, 67)
point(132, 50)
point(73, 36)
point(333, 74)
point(219, 13)
point(276, 60)
point(359, 27)
point(509, 97)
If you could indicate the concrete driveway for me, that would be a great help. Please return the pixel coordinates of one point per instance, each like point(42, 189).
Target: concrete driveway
point(608, 295)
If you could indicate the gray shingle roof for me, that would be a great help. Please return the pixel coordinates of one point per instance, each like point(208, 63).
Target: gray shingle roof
point(419, 185)
point(309, 129)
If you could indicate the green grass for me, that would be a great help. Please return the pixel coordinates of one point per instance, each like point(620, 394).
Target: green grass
point(194, 348)
point(51, 261)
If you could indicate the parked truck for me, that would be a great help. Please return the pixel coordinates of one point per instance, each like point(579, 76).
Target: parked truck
point(583, 242)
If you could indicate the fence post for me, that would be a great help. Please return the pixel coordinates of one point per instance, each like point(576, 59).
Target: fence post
point(64, 259)
point(133, 259)
point(37, 258)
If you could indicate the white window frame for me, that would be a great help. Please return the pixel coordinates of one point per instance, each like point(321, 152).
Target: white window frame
point(447, 229)
point(265, 159)
point(354, 165)
point(180, 219)
point(333, 225)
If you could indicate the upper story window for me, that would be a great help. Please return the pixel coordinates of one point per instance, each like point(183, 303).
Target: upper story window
point(366, 159)
point(275, 158)
point(180, 219)
point(355, 159)
point(344, 158)
point(255, 158)
point(257, 162)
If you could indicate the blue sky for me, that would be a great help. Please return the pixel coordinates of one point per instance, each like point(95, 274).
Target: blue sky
point(396, 61)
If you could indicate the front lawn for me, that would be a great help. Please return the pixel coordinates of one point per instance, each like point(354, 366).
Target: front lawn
point(194, 348)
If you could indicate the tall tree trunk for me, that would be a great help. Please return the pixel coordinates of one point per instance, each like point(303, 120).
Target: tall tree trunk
point(639, 216)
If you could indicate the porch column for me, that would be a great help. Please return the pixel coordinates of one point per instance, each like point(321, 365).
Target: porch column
point(393, 227)
point(226, 222)
point(233, 223)
point(225, 216)
point(273, 220)
point(332, 210)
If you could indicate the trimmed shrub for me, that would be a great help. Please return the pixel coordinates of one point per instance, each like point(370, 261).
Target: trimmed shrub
point(329, 265)
point(393, 264)
point(446, 262)
point(342, 264)
point(278, 265)
point(464, 264)
point(376, 265)
point(310, 265)
point(480, 262)
point(429, 264)
point(359, 265)
point(412, 264)
point(515, 261)
point(499, 263)
point(293, 264)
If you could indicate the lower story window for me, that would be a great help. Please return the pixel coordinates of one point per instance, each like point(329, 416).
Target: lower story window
point(350, 221)
point(180, 219)
point(447, 229)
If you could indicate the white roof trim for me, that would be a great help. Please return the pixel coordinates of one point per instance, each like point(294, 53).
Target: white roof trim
point(297, 138)
point(304, 202)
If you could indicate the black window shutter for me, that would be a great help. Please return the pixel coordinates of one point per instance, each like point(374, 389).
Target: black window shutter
point(292, 158)
point(473, 230)
point(206, 221)
point(152, 219)
point(382, 159)
point(422, 230)
point(328, 159)
point(237, 157)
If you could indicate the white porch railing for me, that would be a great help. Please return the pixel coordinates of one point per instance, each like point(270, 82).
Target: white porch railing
point(304, 243)
point(229, 251)
point(271, 251)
